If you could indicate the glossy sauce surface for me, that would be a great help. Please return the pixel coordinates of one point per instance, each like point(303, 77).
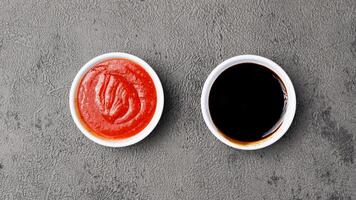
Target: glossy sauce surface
point(246, 101)
point(116, 99)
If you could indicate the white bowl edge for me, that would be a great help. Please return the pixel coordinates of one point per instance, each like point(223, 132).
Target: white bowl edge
point(287, 118)
point(120, 142)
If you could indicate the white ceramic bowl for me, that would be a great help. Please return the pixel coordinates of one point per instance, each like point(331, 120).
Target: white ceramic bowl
point(286, 119)
point(120, 142)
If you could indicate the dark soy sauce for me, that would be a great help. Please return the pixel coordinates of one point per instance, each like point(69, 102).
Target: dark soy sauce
point(246, 101)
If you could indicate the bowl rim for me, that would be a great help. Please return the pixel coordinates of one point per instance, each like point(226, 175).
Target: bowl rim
point(120, 142)
point(286, 119)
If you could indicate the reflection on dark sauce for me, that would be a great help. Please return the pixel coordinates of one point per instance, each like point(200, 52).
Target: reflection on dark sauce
point(246, 102)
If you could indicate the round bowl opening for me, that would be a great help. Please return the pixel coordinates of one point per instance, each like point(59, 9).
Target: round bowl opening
point(120, 142)
point(286, 118)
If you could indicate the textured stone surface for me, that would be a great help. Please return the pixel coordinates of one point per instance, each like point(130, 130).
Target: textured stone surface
point(44, 156)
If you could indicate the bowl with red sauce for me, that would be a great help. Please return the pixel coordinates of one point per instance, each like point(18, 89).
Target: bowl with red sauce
point(116, 99)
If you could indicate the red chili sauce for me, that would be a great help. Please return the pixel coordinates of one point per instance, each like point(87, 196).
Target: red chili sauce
point(116, 99)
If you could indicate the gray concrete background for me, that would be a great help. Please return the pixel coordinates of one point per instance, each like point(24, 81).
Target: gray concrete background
point(44, 156)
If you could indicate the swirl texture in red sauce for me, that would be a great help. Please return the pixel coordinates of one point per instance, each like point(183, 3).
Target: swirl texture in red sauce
point(116, 99)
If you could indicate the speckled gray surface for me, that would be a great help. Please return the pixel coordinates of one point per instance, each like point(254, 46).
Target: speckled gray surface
point(44, 43)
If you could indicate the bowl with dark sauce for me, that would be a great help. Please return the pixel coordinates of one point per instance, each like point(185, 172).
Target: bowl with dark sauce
point(116, 99)
point(248, 102)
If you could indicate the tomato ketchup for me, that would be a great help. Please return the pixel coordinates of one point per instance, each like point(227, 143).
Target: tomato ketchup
point(116, 99)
